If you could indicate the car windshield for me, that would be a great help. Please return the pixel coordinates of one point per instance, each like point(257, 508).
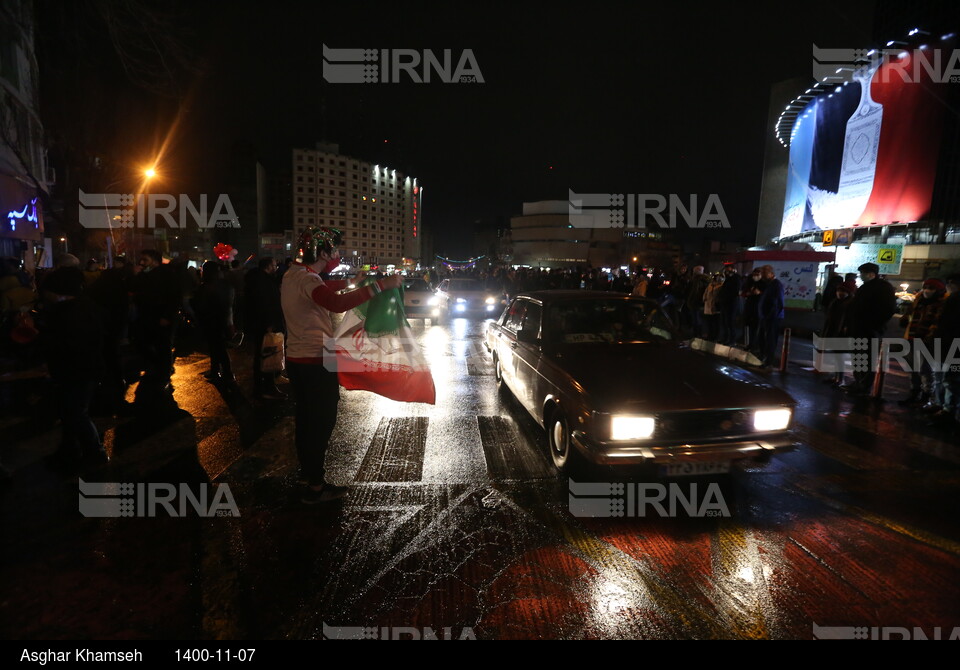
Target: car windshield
point(465, 285)
point(416, 285)
point(586, 321)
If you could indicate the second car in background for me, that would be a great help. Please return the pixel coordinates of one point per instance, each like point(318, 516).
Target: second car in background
point(468, 297)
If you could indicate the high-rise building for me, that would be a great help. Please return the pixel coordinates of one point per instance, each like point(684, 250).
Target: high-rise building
point(377, 207)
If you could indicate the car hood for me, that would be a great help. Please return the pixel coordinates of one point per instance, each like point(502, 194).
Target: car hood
point(660, 377)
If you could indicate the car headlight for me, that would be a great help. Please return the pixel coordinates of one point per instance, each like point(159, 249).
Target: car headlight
point(771, 419)
point(434, 300)
point(491, 301)
point(461, 300)
point(631, 427)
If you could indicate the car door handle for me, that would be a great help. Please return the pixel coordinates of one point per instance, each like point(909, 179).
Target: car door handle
point(513, 345)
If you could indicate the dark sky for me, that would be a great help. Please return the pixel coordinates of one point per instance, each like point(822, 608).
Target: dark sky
point(593, 97)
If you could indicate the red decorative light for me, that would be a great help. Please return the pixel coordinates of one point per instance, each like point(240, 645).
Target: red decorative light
point(225, 252)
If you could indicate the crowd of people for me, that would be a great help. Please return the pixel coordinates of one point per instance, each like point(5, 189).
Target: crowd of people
point(99, 330)
point(748, 312)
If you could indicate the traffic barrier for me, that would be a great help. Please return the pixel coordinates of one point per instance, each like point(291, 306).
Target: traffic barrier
point(877, 392)
point(785, 351)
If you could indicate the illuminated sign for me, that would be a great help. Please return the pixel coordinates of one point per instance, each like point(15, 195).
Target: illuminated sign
point(866, 152)
point(416, 191)
point(29, 212)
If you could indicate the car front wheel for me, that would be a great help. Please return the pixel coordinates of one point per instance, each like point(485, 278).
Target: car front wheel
point(558, 436)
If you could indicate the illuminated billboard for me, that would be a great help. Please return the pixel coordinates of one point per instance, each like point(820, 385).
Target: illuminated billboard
point(866, 152)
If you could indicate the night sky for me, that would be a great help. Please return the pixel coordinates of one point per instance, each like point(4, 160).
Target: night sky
point(640, 98)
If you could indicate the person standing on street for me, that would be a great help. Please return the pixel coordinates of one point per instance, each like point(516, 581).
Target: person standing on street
point(920, 323)
point(213, 305)
point(156, 298)
point(307, 301)
point(728, 303)
point(947, 333)
point(264, 315)
point(770, 308)
point(869, 312)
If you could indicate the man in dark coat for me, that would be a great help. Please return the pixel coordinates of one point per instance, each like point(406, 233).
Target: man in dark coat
point(111, 292)
point(752, 288)
point(213, 304)
point(770, 309)
point(868, 315)
point(72, 341)
point(728, 303)
point(264, 315)
point(156, 298)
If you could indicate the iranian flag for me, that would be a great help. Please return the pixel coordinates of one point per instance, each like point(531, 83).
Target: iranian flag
point(376, 351)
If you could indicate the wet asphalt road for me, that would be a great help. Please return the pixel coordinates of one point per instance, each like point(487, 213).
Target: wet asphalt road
point(457, 523)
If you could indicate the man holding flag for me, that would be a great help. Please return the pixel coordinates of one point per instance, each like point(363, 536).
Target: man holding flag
point(307, 302)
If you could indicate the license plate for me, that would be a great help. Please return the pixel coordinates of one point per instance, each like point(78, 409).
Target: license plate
point(693, 468)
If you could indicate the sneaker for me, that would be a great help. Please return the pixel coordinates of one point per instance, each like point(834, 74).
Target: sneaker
point(326, 493)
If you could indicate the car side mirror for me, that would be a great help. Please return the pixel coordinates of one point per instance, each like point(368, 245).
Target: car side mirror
point(528, 337)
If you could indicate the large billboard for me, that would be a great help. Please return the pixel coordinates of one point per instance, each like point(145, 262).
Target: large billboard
point(866, 153)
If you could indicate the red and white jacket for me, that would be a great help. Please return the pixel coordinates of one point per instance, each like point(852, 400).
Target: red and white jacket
point(307, 301)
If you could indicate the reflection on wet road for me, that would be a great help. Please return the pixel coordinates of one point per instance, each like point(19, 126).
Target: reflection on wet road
point(456, 520)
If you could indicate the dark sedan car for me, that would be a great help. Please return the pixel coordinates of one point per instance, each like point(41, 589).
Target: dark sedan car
point(609, 380)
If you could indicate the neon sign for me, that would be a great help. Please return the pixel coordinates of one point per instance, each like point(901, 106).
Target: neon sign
point(29, 212)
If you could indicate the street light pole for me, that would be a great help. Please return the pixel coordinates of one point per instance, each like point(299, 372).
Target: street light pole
point(148, 174)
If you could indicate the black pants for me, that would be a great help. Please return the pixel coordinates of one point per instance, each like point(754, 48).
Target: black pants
point(728, 325)
point(770, 334)
point(154, 343)
point(317, 393)
point(80, 436)
point(219, 357)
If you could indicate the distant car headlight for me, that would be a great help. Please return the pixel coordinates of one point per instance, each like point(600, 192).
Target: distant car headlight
point(631, 427)
point(434, 300)
point(771, 419)
point(491, 301)
point(461, 300)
